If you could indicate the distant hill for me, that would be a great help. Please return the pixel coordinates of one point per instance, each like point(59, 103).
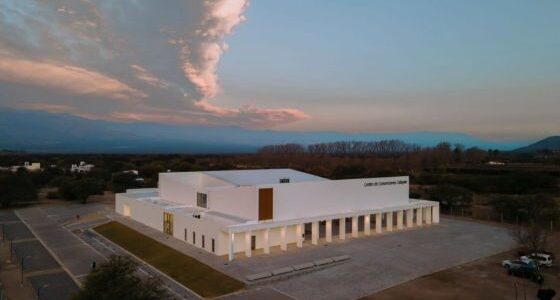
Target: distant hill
point(43, 132)
point(550, 143)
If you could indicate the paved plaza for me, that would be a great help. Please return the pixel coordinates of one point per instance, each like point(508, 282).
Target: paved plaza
point(376, 262)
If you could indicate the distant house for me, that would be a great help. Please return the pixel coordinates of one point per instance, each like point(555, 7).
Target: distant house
point(495, 163)
point(30, 167)
point(81, 168)
point(134, 172)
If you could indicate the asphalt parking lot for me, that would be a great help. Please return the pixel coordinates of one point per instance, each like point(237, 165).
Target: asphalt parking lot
point(54, 286)
point(74, 254)
point(39, 266)
point(379, 262)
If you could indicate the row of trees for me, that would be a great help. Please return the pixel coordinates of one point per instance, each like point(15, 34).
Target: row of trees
point(442, 154)
point(389, 147)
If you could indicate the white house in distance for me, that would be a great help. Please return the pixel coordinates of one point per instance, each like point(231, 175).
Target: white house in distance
point(30, 167)
point(227, 212)
point(82, 167)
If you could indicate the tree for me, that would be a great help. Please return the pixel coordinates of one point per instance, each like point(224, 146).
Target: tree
point(122, 181)
point(115, 280)
point(532, 237)
point(80, 189)
point(16, 187)
point(451, 196)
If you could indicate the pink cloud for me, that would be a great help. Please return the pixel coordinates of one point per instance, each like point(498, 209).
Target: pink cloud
point(251, 116)
point(145, 75)
point(68, 78)
point(200, 59)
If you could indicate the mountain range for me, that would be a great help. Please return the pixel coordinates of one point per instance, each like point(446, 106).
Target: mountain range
point(44, 132)
point(551, 143)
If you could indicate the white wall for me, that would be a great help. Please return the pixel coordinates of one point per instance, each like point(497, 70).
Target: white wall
point(237, 201)
point(179, 189)
point(307, 199)
point(152, 216)
point(145, 213)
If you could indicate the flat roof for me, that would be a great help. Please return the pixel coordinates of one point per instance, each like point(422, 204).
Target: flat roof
point(262, 176)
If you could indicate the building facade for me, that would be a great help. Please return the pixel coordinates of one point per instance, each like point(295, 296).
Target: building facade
point(229, 212)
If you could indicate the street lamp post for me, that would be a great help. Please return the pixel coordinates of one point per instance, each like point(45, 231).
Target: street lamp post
point(44, 286)
point(11, 250)
point(22, 261)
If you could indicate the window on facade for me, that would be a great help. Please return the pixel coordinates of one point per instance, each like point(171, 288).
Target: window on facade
point(185, 234)
point(203, 242)
point(213, 245)
point(285, 180)
point(202, 200)
point(194, 238)
point(168, 223)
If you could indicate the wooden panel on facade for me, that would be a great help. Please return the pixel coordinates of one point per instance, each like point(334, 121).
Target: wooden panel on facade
point(265, 204)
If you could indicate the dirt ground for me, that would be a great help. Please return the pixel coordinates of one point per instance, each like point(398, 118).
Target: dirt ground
point(481, 279)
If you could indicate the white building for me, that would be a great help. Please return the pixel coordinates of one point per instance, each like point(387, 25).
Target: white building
point(226, 212)
point(30, 167)
point(82, 167)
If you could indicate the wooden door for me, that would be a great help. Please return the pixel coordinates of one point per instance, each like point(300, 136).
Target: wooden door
point(265, 204)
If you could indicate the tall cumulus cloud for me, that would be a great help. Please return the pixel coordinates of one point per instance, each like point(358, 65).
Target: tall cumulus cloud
point(124, 60)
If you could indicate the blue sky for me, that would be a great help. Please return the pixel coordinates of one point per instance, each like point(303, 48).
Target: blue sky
point(487, 68)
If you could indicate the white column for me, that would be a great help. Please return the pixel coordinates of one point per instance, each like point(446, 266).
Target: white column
point(299, 232)
point(266, 242)
point(409, 218)
point(399, 220)
point(378, 223)
point(367, 225)
point(419, 216)
point(389, 221)
point(231, 246)
point(355, 226)
point(248, 243)
point(283, 239)
point(315, 233)
point(435, 214)
point(328, 231)
point(342, 228)
point(428, 215)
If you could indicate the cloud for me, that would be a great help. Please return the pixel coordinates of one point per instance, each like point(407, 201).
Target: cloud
point(200, 56)
point(251, 116)
point(149, 78)
point(72, 56)
point(67, 78)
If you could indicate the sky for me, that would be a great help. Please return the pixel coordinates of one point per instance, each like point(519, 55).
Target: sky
point(486, 68)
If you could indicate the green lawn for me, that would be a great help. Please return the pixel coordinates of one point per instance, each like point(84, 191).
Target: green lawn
point(193, 274)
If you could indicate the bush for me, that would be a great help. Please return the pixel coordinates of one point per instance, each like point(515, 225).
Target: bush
point(451, 196)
